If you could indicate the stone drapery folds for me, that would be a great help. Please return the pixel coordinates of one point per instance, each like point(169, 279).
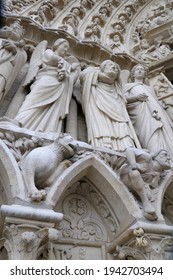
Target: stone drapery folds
point(47, 104)
point(104, 106)
point(12, 55)
point(148, 118)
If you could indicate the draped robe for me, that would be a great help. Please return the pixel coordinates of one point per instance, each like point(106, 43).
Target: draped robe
point(108, 123)
point(47, 104)
point(149, 119)
point(10, 66)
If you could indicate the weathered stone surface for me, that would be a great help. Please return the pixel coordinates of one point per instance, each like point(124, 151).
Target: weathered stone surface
point(86, 169)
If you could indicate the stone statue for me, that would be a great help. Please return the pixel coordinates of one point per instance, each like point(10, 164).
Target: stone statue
point(47, 104)
point(139, 173)
point(69, 24)
point(93, 30)
point(107, 120)
point(147, 53)
point(43, 164)
point(117, 43)
point(156, 51)
point(148, 117)
point(12, 55)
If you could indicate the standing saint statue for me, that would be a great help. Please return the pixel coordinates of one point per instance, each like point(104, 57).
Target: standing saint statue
point(47, 104)
point(148, 118)
point(12, 56)
point(107, 120)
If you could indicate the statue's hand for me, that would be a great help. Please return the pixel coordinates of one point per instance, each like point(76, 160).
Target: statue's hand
point(10, 47)
point(74, 66)
point(140, 167)
point(142, 97)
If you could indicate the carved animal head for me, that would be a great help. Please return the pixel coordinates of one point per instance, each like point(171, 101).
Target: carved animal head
point(68, 143)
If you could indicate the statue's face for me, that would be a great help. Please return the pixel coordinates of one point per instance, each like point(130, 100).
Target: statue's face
point(84, 2)
point(139, 72)
point(163, 159)
point(116, 38)
point(103, 11)
point(76, 11)
point(122, 18)
point(62, 48)
point(111, 69)
point(144, 44)
point(118, 27)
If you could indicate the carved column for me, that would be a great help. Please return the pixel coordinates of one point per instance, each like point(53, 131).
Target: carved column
point(71, 125)
point(27, 231)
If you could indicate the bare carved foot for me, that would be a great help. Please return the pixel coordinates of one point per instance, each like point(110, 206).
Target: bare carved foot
point(150, 217)
point(149, 212)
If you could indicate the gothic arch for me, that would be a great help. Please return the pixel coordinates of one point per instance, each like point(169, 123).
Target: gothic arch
point(164, 189)
point(96, 206)
point(4, 249)
point(10, 177)
point(165, 199)
point(105, 180)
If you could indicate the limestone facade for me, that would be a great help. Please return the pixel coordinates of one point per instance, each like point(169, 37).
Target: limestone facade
point(86, 129)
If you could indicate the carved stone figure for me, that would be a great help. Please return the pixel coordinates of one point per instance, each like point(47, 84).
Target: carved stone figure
point(153, 52)
point(139, 173)
point(148, 53)
point(143, 27)
point(69, 24)
point(116, 44)
point(105, 11)
point(115, 3)
point(43, 164)
point(104, 106)
point(148, 117)
point(78, 11)
point(12, 56)
point(47, 104)
point(87, 3)
point(45, 13)
point(163, 87)
point(163, 49)
point(118, 27)
point(93, 30)
point(12, 6)
point(123, 18)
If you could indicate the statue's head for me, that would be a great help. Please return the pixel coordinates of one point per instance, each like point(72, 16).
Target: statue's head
point(139, 70)
point(162, 158)
point(68, 143)
point(110, 67)
point(61, 46)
